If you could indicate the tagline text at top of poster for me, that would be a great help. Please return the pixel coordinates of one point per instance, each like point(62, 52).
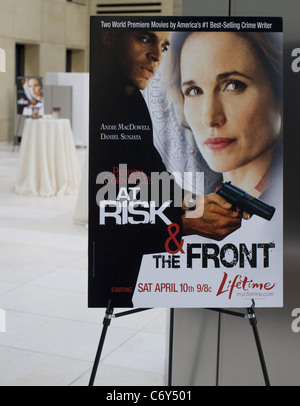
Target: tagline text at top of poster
point(192, 23)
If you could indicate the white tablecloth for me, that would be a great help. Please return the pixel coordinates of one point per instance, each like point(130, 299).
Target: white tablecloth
point(48, 164)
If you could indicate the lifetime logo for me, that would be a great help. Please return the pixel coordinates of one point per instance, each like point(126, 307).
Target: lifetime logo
point(2, 60)
point(2, 321)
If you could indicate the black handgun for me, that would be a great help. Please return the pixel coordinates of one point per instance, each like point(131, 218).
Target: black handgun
point(244, 202)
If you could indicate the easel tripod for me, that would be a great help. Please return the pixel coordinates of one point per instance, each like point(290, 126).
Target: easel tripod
point(251, 316)
point(109, 315)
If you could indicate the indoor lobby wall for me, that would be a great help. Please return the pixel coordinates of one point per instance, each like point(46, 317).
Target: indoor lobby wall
point(47, 28)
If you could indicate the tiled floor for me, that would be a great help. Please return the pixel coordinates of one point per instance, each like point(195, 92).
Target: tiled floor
point(51, 336)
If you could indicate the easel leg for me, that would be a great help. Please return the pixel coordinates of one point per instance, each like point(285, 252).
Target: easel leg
point(109, 314)
point(106, 322)
point(19, 118)
point(171, 345)
point(253, 322)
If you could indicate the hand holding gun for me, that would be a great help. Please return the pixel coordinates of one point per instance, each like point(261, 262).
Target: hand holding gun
point(244, 202)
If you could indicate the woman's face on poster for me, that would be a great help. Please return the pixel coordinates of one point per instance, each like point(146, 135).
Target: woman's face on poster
point(228, 100)
point(35, 88)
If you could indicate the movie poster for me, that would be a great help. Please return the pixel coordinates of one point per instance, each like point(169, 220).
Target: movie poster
point(185, 162)
point(30, 95)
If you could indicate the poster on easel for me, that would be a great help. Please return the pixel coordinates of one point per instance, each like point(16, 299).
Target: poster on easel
point(30, 96)
point(185, 162)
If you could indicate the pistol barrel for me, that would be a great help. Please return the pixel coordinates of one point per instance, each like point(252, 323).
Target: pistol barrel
point(245, 202)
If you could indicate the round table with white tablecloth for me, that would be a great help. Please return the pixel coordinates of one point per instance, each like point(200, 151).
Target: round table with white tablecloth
point(48, 164)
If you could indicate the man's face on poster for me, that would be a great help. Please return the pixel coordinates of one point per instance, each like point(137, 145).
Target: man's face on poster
point(140, 55)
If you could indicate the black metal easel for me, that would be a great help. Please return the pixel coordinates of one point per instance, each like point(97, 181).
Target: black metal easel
point(251, 316)
point(109, 315)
